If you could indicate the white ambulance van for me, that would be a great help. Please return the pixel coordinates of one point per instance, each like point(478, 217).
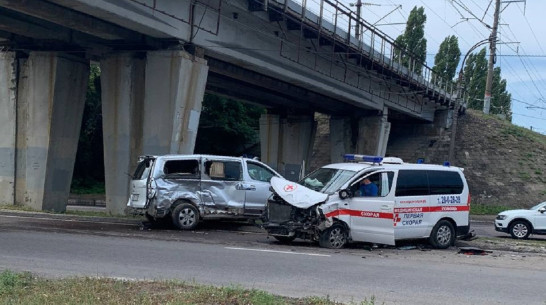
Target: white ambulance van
point(336, 204)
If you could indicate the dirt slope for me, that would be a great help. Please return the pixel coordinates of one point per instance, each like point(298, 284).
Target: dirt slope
point(504, 164)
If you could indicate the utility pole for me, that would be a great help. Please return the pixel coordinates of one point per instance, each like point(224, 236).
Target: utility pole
point(459, 100)
point(492, 50)
point(357, 27)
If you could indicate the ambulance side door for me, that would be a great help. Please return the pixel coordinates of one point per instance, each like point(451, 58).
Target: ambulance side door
point(371, 218)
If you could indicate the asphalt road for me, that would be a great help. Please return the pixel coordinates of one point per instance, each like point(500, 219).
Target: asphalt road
point(222, 253)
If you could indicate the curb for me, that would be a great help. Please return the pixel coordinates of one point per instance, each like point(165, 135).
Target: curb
point(68, 216)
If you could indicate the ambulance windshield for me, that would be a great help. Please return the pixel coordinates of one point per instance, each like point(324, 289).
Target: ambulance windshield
point(327, 180)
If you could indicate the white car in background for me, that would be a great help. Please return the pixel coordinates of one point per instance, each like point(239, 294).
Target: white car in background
point(522, 223)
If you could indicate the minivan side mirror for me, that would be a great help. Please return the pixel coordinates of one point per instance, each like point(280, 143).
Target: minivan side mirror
point(346, 193)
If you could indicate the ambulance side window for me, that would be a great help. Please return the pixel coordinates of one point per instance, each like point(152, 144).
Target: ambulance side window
point(412, 183)
point(445, 182)
point(386, 184)
point(382, 180)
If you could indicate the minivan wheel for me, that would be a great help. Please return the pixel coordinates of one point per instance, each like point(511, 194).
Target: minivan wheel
point(335, 237)
point(185, 216)
point(520, 229)
point(443, 235)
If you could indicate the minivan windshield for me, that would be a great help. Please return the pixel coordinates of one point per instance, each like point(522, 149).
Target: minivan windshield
point(327, 180)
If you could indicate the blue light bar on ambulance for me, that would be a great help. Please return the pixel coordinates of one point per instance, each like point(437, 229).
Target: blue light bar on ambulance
point(363, 158)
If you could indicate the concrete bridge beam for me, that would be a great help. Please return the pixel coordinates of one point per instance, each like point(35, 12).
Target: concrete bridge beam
point(286, 142)
point(151, 106)
point(43, 109)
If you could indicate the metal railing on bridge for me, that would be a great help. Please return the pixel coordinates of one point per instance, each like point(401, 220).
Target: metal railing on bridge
point(333, 21)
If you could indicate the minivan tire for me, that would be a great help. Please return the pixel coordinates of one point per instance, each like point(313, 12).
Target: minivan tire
point(442, 235)
point(335, 237)
point(520, 229)
point(185, 216)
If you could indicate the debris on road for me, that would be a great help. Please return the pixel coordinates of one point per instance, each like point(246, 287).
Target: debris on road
point(473, 251)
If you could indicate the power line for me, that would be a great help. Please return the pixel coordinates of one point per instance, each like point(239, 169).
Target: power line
point(529, 116)
point(530, 28)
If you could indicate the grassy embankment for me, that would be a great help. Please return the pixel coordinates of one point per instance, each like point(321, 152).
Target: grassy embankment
point(24, 288)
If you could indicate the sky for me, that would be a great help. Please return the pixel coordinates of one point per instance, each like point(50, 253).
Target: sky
point(521, 51)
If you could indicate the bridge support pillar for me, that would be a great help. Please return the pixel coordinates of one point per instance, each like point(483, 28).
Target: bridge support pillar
point(150, 106)
point(341, 138)
point(286, 143)
point(8, 94)
point(373, 134)
point(122, 87)
point(45, 107)
point(367, 135)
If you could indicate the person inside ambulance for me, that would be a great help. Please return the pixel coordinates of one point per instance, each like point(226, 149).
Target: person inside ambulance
point(368, 188)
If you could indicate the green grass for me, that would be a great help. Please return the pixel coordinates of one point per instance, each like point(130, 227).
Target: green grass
point(520, 132)
point(524, 176)
point(88, 186)
point(23, 288)
point(484, 209)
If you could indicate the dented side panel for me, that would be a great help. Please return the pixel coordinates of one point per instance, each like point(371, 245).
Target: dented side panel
point(222, 197)
point(170, 190)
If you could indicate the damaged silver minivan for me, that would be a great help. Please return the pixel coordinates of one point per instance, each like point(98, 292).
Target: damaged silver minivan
point(190, 188)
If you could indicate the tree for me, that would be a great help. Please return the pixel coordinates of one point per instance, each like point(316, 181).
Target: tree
point(89, 164)
point(475, 74)
point(501, 100)
point(446, 60)
point(413, 41)
point(228, 127)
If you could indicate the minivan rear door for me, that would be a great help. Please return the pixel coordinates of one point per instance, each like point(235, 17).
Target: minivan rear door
point(138, 195)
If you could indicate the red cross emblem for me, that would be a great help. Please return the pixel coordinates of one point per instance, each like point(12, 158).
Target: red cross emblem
point(396, 219)
point(289, 188)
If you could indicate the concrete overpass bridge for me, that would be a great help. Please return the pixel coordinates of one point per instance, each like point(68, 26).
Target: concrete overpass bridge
point(158, 58)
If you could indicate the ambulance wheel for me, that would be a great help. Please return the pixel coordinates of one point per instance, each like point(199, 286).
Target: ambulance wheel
point(335, 237)
point(443, 235)
point(520, 229)
point(185, 216)
point(284, 239)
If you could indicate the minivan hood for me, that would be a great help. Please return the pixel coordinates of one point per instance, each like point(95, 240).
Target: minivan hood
point(296, 194)
point(519, 212)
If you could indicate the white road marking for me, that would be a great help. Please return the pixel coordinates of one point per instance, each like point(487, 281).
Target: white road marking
point(276, 251)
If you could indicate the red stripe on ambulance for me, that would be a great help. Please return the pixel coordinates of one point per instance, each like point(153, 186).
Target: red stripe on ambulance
point(357, 213)
point(372, 214)
point(454, 208)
